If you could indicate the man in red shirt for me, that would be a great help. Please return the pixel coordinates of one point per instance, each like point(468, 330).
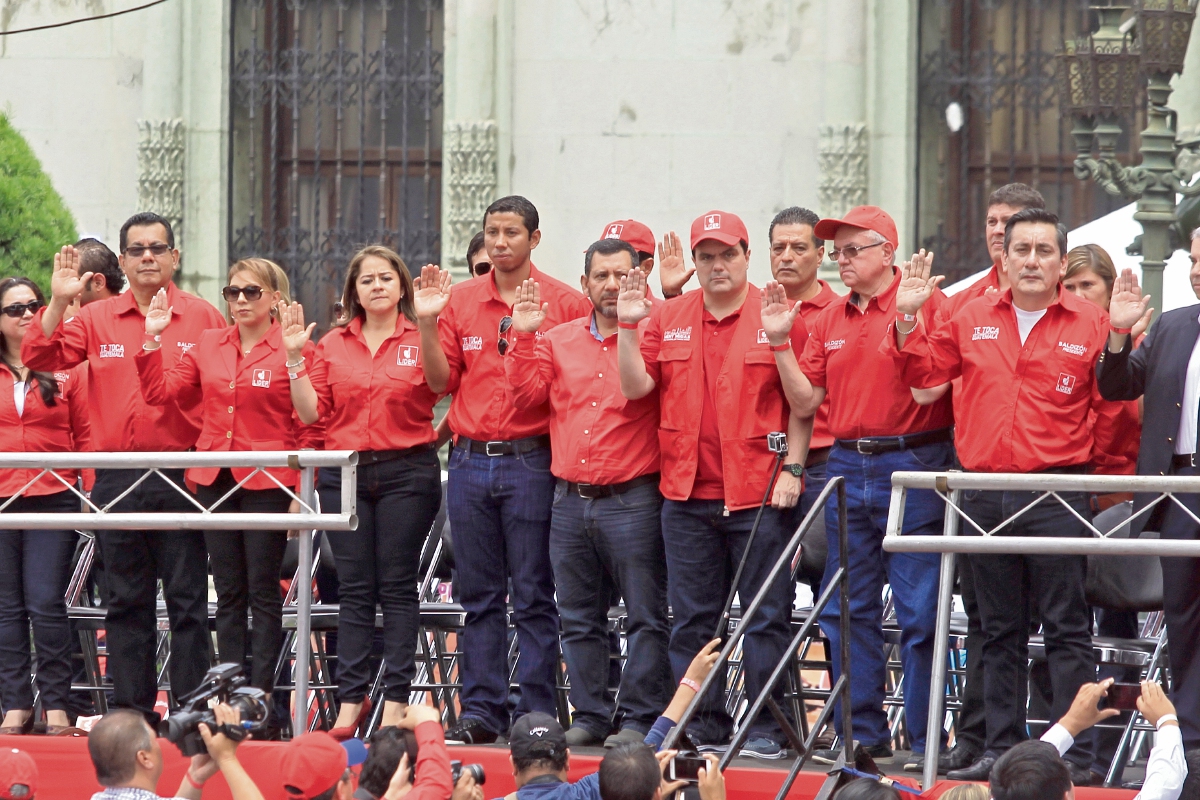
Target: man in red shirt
point(796, 254)
point(500, 487)
point(721, 394)
point(1025, 357)
point(108, 334)
point(604, 527)
point(878, 429)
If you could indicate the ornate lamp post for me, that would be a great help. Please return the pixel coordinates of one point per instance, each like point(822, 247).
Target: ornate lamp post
point(1101, 78)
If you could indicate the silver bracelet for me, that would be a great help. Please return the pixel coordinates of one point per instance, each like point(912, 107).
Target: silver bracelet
point(297, 364)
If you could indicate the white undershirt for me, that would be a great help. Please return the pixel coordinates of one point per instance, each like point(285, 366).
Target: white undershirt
point(1185, 440)
point(1026, 320)
point(19, 397)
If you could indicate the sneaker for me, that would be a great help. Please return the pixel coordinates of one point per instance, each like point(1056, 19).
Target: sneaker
point(877, 752)
point(470, 731)
point(625, 736)
point(578, 736)
point(761, 747)
point(915, 763)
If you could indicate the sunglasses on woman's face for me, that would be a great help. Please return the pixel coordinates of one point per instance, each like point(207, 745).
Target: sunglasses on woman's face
point(18, 309)
point(252, 293)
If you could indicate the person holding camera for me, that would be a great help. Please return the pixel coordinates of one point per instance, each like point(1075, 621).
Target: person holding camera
point(418, 740)
point(634, 772)
point(128, 758)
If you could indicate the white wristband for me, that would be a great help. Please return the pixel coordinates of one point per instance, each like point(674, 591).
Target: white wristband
point(1165, 718)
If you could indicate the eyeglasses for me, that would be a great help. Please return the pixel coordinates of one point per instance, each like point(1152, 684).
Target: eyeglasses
point(482, 268)
point(502, 343)
point(137, 250)
point(252, 293)
point(851, 251)
point(18, 309)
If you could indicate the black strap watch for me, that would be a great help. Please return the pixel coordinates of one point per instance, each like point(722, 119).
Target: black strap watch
point(797, 470)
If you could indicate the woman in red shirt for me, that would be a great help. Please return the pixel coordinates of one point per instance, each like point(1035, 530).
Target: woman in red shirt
point(367, 385)
point(239, 376)
point(41, 413)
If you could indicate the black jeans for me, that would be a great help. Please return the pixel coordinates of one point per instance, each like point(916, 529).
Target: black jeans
point(1181, 602)
point(35, 566)
point(1005, 587)
point(378, 565)
point(971, 729)
point(245, 569)
point(133, 563)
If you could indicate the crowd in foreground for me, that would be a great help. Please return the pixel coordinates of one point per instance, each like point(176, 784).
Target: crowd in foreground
point(606, 443)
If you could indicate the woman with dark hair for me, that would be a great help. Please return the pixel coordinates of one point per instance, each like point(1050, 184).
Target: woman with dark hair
point(367, 385)
point(42, 413)
point(238, 375)
point(477, 257)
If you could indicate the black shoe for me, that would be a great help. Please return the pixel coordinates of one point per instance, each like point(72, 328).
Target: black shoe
point(915, 763)
point(875, 751)
point(470, 731)
point(979, 771)
point(1080, 776)
point(960, 756)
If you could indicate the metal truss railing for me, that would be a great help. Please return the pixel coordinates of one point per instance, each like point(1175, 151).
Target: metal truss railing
point(102, 517)
point(836, 584)
point(949, 486)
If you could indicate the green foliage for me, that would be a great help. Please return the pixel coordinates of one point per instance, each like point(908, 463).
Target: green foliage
point(34, 221)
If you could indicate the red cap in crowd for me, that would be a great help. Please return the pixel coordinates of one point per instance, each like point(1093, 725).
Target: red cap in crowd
point(873, 218)
point(18, 775)
point(722, 226)
point(630, 230)
point(314, 763)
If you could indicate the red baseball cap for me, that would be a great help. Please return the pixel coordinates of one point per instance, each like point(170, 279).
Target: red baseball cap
point(873, 218)
point(726, 228)
point(18, 775)
point(314, 763)
point(632, 231)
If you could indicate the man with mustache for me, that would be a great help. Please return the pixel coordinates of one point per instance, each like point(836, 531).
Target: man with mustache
point(604, 525)
point(1025, 357)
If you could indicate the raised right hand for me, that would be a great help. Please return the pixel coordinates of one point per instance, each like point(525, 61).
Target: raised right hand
point(632, 304)
point(66, 282)
point(916, 284)
point(159, 315)
point(1127, 306)
point(1154, 703)
point(529, 312)
point(431, 292)
point(673, 272)
point(295, 334)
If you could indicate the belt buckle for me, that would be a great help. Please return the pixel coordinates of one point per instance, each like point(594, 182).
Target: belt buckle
point(487, 449)
point(584, 490)
point(865, 447)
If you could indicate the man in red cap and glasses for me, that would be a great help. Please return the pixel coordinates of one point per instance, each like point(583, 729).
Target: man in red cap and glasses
point(721, 394)
point(878, 428)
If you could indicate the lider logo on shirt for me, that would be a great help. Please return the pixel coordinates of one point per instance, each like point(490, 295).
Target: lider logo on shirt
point(261, 377)
point(472, 343)
point(678, 334)
point(712, 222)
point(406, 355)
point(1066, 383)
point(835, 344)
point(985, 332)
point(1073, 349)
point(762, 337)
point(112, 351)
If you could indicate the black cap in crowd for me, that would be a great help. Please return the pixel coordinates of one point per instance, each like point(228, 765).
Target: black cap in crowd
point(537, 735)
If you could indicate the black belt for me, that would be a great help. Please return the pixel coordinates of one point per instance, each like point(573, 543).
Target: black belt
point(815, 457)
point(1070, 469)
point(510, 448)
point(593, 491)
point(1183, 461)
point(891, 444)
point(367, 457)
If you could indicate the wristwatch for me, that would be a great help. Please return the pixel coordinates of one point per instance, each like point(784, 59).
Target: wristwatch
point(797, 470)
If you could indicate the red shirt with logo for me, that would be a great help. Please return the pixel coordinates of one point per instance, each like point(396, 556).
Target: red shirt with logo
point(108, 334)
point(378, 402)
point(40, 428)
point(865, 393)
point(596, 435)
point(469, 329)
point(245, 400)
point(809, 310)
point(1025, 407)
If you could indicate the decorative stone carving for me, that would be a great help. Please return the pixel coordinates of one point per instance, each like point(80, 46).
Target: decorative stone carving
point(160, 169)
point(470, 170)
point(843, 163)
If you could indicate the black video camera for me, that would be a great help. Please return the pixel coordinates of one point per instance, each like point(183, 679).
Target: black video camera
point(224, 683)
point(474, 770)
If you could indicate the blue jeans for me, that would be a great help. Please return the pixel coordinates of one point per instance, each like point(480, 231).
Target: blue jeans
point(703, 548)
point(499, 509)
point(594, 546)
point(913, 576)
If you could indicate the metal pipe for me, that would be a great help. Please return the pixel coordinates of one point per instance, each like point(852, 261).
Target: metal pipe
point(1050, 545)
point(999, 481)
point(182, 460)
point(941, 648)
point(308, 495)
point(844, 622)
point(177, 520)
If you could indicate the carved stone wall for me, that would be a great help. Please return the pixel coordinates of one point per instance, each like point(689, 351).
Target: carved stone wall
point(470, 171)
point(843, 164)
point(160, 169)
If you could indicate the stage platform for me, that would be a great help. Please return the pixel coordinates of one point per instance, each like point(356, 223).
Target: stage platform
point(66, 772)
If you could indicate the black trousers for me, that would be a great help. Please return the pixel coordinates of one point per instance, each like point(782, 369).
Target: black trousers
point(971, 729)
point(134, 561)
point(245, 569)
point(1005, 587)
point(1181, 602)
point(378, 565)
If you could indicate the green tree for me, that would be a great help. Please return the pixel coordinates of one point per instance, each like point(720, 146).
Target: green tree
point(34, 221)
